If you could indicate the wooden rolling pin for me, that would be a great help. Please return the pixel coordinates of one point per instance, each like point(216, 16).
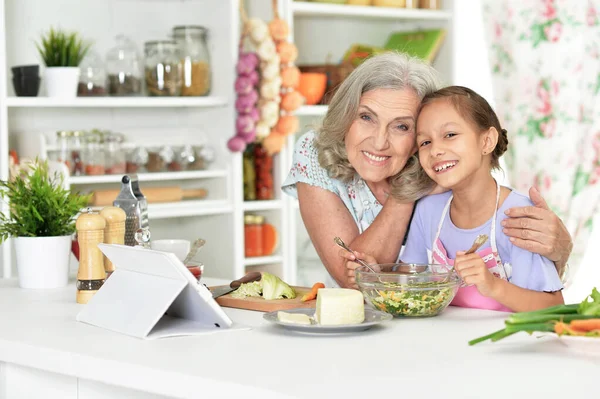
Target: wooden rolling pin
point(152, 194)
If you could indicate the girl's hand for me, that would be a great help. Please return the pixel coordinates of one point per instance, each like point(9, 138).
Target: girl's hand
point(473, 271)
point(351, 265)
point(538, 229)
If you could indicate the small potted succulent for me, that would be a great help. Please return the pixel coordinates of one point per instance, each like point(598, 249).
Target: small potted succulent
point(62, 53)
point(40, 221)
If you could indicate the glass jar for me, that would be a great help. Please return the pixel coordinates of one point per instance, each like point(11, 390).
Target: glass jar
point(137, 160)
point(114, 156)
point(263, 164)
point(187, 157)
point(253, 239)
point(155, 162)
point(249, 173)
point(94, 153)
point(76, 147)
point(162, 68)
point(430, 4)
point(92, 76)
point(124, 68)
point(195, 59)
point(63, 148)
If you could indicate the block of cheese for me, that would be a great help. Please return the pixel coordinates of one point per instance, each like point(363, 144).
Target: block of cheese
point(293, 318)
point(337, 306)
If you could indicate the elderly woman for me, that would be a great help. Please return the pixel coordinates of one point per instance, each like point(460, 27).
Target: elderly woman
point(358, 176)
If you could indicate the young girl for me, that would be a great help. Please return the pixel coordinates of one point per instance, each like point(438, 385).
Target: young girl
point(460, 140)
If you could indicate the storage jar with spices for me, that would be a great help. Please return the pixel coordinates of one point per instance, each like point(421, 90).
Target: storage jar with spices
point(162, 68)
point(124, 68)
point(93, 157)
point(114, 155)
point(77, 146)
point(137, 160)
point(195, 59)
point(63, 148)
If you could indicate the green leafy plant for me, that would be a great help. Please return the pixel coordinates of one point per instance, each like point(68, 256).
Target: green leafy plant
point(62, 49)
point(38, 205)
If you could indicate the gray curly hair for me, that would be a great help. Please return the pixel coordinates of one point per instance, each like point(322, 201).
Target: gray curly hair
point(389, 70)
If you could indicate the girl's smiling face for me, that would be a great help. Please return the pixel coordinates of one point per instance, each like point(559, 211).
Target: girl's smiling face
point(382, 138)
point(451, 151)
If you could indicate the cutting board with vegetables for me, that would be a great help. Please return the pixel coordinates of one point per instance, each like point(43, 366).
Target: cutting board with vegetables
point(263, 305)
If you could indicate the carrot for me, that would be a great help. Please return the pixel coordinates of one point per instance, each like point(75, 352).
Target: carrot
point(313, 292)
point(566, 329)
point(585, 325)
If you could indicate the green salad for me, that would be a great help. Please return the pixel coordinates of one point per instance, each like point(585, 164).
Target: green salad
point(428, 300)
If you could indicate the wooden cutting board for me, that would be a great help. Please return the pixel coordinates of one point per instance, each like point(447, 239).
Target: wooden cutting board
point(263, 305)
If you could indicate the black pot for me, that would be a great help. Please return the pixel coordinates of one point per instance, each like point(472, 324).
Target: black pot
point(26, 86)
point(25, 70)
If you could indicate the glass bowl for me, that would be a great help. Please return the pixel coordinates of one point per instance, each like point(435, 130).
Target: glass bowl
point(411, 290)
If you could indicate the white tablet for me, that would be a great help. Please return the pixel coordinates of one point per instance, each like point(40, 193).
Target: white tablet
point(146, 286)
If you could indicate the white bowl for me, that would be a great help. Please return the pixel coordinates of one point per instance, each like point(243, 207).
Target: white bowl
point(179, 247)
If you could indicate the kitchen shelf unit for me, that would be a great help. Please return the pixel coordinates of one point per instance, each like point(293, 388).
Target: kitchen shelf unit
point(115, 102)
point(323, 32)
point(144, 177)
point(302, 9)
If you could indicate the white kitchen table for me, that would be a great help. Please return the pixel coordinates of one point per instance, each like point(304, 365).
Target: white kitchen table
point(45, 353)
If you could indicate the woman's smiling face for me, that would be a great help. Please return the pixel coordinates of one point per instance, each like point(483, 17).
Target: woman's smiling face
point(382, 138)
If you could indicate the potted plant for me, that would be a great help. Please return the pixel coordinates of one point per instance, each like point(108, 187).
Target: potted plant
point(41, 221)
point(62, 53)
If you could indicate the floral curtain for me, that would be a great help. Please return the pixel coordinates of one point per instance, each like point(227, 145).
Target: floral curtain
point(545, 59)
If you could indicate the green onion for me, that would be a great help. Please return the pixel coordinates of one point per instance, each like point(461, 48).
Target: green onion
point(547, 317)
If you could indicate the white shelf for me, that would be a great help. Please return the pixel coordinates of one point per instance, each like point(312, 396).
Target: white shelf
point(115, 102)
point(263, 260)
point(312, 110)
point(306, 9)
point(253, 206)
point(188, 208)
point(184, 175)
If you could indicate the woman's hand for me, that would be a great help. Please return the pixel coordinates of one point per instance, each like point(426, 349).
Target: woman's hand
point(351, 266)
point(538, 229)
point(473, 271)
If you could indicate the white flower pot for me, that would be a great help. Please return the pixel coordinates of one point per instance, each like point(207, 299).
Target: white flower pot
point(62, 81)
point(43, 262)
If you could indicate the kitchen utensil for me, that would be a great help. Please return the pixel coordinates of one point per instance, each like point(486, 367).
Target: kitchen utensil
point(479, 241)
point(127, 200)
point(235, 284)
point(372, 317)
point(199, 243)
point(262, 305)
point(413, 290)
point(341, 243)
point(152, 194)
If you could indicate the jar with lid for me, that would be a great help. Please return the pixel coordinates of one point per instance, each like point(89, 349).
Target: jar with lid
point(195, 59)
point(137, 160)
point(92, 76)
point(63, 148)
point(249, 173)
point(263, 165)
point(94, 153)
point(124, 68)
point(155, 162)
point(162, 68)
point(114, 162)
point(187, 157)
point(76, 147)
point(253, 235)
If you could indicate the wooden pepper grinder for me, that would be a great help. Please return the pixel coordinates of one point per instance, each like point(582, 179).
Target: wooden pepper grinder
point(114, 232)
point(91, 275)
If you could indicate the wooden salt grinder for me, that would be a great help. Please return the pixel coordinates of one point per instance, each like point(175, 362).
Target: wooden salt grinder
point(114, 232)
point(91, 275)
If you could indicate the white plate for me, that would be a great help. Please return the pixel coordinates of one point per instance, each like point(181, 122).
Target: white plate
point(372, 317)
point(584, 345)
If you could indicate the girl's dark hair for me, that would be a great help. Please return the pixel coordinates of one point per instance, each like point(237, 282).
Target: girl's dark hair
point(476, 110)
